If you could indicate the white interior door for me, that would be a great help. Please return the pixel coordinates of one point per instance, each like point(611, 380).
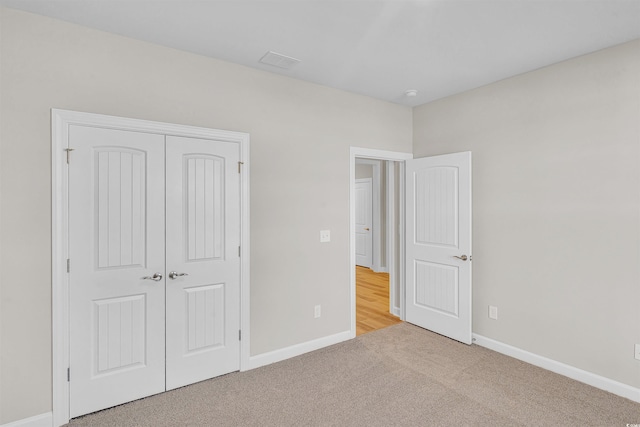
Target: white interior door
point(438, 244)
point(363, 226)
point(116, 237)
point(203, 240)
point(150, 311)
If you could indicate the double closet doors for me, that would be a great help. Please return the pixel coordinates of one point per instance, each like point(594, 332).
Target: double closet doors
point(154, 235)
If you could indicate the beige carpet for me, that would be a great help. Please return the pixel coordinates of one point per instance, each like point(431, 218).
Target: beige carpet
point(398, 376)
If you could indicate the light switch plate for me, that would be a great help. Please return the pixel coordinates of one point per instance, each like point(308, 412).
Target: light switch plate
point(325, 236)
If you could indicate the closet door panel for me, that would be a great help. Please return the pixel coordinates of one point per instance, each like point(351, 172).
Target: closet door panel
point(203, 264)
point(116, 239)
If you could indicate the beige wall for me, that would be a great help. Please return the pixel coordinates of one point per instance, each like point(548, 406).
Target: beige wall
point(364, 171)
point(1, 208)
point(556, 194)
point(300, 138)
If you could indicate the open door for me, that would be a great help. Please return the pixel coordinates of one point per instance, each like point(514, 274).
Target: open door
point(438, 244)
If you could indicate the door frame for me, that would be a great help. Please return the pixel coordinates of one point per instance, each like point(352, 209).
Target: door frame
point(396, 273)
point(368, 153)
point(60, 122)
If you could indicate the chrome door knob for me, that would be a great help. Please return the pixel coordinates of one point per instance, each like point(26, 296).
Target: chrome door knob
point(156, 277)
point(174, 274)
point(463, 257)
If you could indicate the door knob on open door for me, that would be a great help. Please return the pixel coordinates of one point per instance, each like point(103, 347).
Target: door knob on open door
point(174, 274)
point(463, 257)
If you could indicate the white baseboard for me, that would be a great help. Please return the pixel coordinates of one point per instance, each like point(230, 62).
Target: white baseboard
point(572, 372)
point(395, 311)
point(42, 420)
point(296, 350)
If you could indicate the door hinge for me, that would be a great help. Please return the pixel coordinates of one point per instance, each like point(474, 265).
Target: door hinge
point(238, 250)
point(68, 374)
point(240, 165)
point(68, 265)
point(68, 150)
point(239, 335)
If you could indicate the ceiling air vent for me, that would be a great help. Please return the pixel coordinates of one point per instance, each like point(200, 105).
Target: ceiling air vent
point(278, 60)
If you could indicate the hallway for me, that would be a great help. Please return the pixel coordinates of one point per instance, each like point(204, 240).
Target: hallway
point(372, 301)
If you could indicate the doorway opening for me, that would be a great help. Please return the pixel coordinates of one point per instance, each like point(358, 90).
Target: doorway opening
point(377, 233)
point(428, 245)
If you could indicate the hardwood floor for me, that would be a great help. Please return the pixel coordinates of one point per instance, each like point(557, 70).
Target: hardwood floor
point(372, 301)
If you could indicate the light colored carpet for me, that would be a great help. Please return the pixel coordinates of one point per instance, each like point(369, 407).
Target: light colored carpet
point(399, 376)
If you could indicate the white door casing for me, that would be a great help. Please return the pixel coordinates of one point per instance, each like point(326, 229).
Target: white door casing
point(65, 125)
point(116, 237)
point(438, 244)
point(203, 215)
point(364, 223)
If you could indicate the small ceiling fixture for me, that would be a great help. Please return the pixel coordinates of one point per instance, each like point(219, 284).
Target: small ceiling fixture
point(278, 60)
point(411, 93)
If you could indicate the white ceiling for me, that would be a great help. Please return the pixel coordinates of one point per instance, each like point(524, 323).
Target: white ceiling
point(375, 48)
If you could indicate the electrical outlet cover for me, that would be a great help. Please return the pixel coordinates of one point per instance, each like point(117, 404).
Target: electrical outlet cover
point(493, 312)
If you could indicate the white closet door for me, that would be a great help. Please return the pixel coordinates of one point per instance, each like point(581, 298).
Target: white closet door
point(203, 292)
point(116, 237)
